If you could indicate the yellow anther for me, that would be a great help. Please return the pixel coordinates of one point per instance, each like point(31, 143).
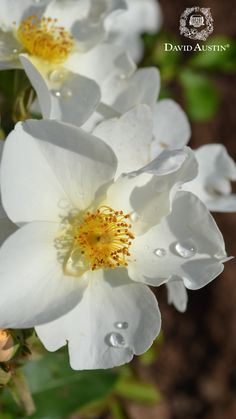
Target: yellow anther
point(44, 39)
point(104, 238)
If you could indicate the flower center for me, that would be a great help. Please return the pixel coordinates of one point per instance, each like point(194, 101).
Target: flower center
point(44, 39)
point(102, 240)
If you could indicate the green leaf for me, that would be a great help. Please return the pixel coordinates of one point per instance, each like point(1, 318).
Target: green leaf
point(201, 96)
point(137, 391)
point(5, 376)
point(216, 60)
point(167, 62)
point(58, 391)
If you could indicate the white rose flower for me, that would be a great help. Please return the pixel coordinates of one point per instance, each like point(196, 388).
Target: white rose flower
point(88, 245)
point(141, 16)
point(57, 43)
point(141, 134)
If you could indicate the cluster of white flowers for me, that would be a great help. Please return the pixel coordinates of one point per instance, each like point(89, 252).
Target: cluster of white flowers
point(101, 197)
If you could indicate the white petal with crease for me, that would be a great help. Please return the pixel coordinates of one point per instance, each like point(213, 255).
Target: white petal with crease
point(107, 301)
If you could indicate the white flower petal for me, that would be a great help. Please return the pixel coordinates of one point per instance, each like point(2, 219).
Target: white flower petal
point(101, 62)
point(93, 325)
point(72, 101)
point(15, 11)
point(216, 170)
point(187, 244)
point(6, 226)
point(177, 293)
point(90, 31)
point(143, 87)
point(125, 28)
point(171, 126)
point(67, 12)
point(147, 193)
point(129, 137)
point(34, 289)
point(141, 16)
point(134, 43)
point(47, 162)
point(9, 49)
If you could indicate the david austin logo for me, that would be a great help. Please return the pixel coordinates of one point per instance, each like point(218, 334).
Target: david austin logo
point(196, 23)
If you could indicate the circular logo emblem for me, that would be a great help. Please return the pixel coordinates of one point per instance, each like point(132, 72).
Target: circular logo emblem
point(196, 23)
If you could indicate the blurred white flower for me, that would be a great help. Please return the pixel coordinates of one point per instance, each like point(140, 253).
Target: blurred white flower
point(59, 44)
point(213, 184)
point(125, 29)
point(88, 246)
point(171, 128)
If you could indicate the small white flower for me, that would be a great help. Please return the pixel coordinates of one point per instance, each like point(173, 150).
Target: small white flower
point(213, 184)
point(141, 16)
point(140, 135)
point(59, 44)
point(88, 246)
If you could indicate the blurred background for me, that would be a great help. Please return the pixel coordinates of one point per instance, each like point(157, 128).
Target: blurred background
point(189, 372)
point(195, 370)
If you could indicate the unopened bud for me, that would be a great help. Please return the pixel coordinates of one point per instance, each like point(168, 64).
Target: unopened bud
point(7, 346)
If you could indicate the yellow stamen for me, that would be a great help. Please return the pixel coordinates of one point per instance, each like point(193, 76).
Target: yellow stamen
point(103, 239)
point(44, 39)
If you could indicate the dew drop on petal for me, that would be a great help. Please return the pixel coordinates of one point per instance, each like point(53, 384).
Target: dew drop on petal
point(186, 249)
point(115, 340)
point(134, 217)
point(160, 252)
point(66, 92)
point(56, 93)
point(123, 76)
point(57, 76)
point(122, 325)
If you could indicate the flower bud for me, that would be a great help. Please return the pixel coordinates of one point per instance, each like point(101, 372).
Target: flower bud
point(7, 346)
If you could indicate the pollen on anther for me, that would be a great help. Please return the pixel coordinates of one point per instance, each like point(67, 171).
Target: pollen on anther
point(104, 238)
point(43, 39)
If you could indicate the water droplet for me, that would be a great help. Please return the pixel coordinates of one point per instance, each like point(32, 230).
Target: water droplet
point(15, 51)
point(57, 76)
point(66, 92)
point(134, 217)
point(186, 249)
point(75, 264)
point(123, 76)
point(115, 340)
point(56, 93)
point(160, 252)
point(122, 325)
